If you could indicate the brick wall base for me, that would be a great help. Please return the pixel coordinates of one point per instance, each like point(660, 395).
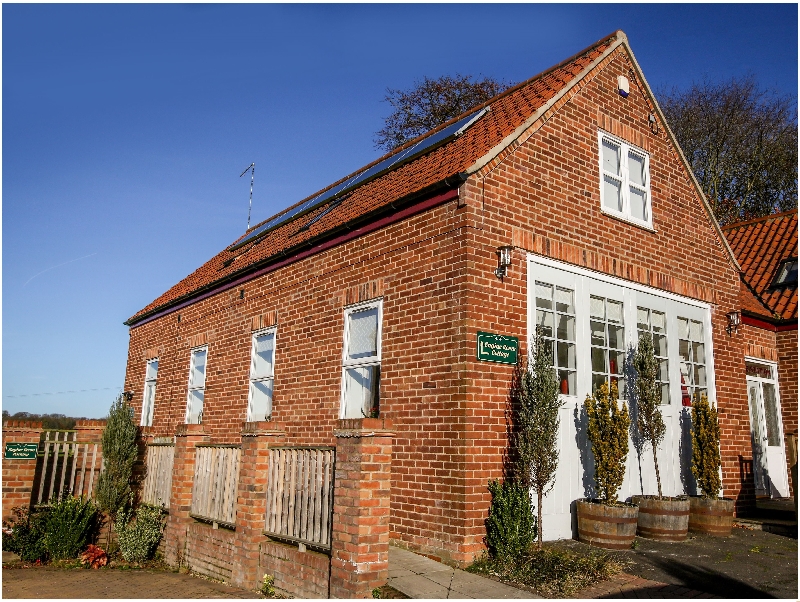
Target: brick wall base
point(298, 574)
point(210, 552)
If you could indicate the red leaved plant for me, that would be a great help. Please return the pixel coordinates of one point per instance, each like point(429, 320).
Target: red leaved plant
point(94, 556)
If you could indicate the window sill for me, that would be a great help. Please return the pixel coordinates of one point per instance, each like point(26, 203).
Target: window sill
point(627, 220)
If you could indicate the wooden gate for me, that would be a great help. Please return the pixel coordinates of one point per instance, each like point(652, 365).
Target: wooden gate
point(300, 495)
point(157, 485)
point(66, 467)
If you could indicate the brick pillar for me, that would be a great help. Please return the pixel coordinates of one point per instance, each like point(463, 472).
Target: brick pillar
point(187, 436)
point(360, 534)
point(18, 474)
point(251, 501)
point(90, 431)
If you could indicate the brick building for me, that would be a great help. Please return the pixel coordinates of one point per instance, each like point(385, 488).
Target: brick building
point(767, 252)
point(564, 201)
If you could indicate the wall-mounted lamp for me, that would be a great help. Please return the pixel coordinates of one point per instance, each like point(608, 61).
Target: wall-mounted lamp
point(503, 261)
point(734, 319)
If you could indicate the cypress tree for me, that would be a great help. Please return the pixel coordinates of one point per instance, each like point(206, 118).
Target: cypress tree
point(705, 447)
point(648, 415)
point(608, 432)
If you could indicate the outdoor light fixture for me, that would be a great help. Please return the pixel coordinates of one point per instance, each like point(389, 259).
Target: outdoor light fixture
point(734, 319)
point(503, 261)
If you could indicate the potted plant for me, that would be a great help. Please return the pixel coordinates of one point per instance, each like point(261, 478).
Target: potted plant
point(606, 522)
point(664, 518)
point(708, 513)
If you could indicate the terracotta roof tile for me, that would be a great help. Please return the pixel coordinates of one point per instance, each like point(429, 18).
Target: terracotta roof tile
point(760, 245)
point(508, 111)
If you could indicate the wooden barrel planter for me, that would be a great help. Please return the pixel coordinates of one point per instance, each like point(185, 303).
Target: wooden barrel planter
point(611, 527)
point(665, 519)
point(712, 516)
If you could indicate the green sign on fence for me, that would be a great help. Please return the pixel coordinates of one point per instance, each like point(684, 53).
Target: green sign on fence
point(497, 348)
point(21, 451)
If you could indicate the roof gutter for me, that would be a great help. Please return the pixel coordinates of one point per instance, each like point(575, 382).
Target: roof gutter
point(765, 323)
point(431, 196)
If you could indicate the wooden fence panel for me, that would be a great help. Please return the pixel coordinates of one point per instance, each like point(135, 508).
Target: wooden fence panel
point(157, 485)
point(65, 467)
point(216, 477)
point(300, 495)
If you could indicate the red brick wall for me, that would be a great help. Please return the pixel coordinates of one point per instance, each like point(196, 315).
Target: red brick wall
point(18, 475)
point(209, 551)
point(435, 274)
point(786, 343)
point(299, 574)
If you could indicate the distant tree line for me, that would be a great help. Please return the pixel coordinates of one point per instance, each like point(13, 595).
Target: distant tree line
point(49, 421)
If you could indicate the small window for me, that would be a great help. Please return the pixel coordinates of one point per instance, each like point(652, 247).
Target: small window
point(197, 386)
point(625, 180)
point(361, 365)
point(692, 354)
point(655, 322)
point(150, 376)
point(262, 370)
point(786, 275)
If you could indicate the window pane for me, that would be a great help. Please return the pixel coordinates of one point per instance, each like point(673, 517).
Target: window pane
point(614, 311)
point(636, 168)
point(597, 307)
point(683, 350)
point(566, 355)
point(152, 370)
point(663, 371)
point(566, 328)
point(612, 197)
point(660, 345)
point(147, 406)
point(198, 374)
point(616, 336)
point(610, 157)
point(363, 334)
point(771, 415)
point(564, 300)
point(665, 394)
point(700, 376)
point(260, 400)
point(545, 320)
point(598, 333)
point(638, 204)
point(643, 318)
point(683, 328)
point(598, 360)
point(194, 413)
point(617, 362)
point(696, 330)
point(597, 381)
point(566, 379)
point(360, 391)
point(699, 353)
point(263, 352)
point(658, 321)
point(544, 295)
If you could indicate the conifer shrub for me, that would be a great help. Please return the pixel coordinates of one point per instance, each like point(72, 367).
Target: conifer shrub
point(608, 433)
point(705, 447)
point(139, 532)
point(648, 399)
point(511, 525)
point(69, 526)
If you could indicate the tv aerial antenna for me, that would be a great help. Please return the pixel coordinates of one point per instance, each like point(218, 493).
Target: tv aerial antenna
point(252, 169)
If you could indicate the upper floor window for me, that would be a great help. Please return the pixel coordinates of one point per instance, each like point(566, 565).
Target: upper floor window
point(262, 371)
point(150, 376)
point(361, 362)
point(787, 274)
point(625, 180)
point(197, 386)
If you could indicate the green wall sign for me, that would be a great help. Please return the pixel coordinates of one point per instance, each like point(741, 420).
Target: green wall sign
point(21, 451)
point(497, 348)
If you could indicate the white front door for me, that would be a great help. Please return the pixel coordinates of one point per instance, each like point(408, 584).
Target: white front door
point(766, 429)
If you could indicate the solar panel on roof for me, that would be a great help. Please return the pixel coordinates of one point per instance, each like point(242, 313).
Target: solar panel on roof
point(394, 161)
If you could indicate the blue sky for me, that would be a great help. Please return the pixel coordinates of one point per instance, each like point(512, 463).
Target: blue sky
point(125, 129)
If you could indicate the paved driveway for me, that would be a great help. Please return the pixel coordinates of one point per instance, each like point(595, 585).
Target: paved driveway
point(45, 582)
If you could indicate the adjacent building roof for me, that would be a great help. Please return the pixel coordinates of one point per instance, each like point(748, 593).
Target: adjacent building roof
point(761, 247)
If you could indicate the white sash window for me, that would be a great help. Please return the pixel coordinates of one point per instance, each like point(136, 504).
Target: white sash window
point(361, 360)
point(262, 373)
point(197, 385)
point(150, 377)
point(625, 180)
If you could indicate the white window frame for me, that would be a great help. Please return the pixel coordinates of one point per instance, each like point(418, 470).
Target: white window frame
point(625, 182)
point(190, 388)
point(361, 362)
point(147, 410)
point(273, 330)
point(633, 295)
